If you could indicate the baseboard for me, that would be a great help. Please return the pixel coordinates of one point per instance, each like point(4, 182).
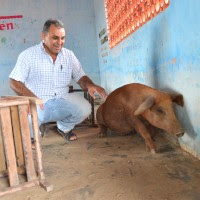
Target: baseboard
point(190, 151)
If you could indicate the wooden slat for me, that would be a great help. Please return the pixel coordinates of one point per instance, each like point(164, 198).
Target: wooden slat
point(20, 171)
point(37, 142)
point(19, 187)
point(17, 136)
point(26, 140)
point(9, 146)
point(33, 100)
point(2, 154)
point(5, 102)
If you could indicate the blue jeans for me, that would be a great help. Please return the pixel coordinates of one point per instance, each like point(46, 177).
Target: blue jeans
point(67, 111)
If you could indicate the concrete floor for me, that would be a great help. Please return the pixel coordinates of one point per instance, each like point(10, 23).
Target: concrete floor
point(114, 168)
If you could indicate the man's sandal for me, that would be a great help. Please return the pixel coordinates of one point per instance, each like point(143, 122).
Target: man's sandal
point(67, 136)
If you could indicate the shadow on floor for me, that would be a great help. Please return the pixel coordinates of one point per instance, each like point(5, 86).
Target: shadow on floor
point(114, 168)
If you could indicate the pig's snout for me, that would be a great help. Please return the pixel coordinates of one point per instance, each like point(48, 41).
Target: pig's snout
point(178, 130)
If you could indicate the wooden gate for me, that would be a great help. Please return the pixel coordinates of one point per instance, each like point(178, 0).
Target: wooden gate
point(16, 153)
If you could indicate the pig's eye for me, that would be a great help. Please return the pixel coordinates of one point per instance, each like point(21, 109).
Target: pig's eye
point(160, 110)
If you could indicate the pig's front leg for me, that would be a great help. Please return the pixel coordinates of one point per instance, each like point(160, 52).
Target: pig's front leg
point(140, 128)
point(103, 130)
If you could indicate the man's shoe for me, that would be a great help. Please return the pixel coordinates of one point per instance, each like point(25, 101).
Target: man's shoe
point(42, 129)
point(70, 136)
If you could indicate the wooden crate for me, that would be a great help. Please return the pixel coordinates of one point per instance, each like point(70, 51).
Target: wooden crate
point(16, 154)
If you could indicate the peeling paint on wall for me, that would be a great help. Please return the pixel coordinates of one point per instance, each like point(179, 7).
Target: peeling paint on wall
point(3, 40)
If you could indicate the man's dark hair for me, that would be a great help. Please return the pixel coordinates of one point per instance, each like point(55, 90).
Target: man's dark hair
point(49, 22)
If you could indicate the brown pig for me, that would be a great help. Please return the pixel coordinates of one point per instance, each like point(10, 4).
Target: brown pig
point(127, 107)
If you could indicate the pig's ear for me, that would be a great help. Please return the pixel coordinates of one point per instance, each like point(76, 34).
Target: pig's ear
point(178, 99)
point(145, 105)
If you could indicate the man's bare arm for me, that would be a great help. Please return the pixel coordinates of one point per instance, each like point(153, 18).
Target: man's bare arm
point(21, 89)
point(86, 84)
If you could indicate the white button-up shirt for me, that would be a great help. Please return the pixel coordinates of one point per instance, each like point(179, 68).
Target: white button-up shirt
point(47, 80)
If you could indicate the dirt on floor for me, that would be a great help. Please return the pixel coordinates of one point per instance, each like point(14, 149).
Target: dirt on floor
point(114, 168)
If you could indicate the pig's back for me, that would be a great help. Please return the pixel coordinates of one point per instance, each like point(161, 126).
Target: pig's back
point(121, 103)
point(133, 93)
